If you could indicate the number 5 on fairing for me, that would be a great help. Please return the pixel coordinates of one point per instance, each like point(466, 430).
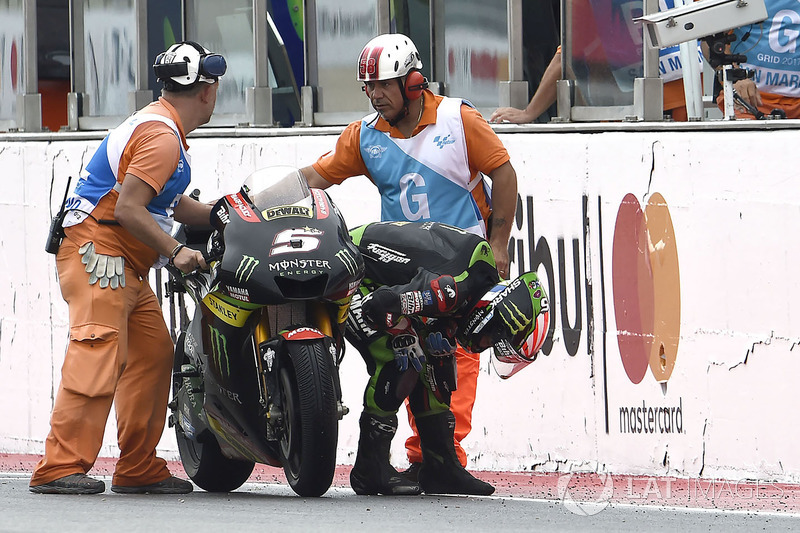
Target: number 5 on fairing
point(295, 240)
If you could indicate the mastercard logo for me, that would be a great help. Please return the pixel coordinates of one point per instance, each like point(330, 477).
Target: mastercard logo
point(647, 288)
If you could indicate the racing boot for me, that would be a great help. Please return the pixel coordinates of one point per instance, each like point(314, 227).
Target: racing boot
point(441, 472)
point(372, 473)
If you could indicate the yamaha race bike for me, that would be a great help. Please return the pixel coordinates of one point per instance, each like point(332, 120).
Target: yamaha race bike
point(256, 373)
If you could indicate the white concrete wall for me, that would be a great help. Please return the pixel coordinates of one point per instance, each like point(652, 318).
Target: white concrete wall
point(735, 208)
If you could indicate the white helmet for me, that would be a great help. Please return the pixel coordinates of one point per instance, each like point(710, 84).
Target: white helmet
point(185, 64)
point(387, 56)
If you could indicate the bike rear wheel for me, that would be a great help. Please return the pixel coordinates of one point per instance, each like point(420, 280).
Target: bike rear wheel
point(207, 467)
point(310, 422)
point(202, 457)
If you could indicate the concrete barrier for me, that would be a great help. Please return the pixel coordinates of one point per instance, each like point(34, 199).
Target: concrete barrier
point(669, 257)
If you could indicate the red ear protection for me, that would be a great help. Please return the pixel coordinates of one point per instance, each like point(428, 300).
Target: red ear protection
point(415, 84)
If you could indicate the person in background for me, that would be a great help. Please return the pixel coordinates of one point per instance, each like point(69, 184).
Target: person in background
point(116, 226)
point(670, 70)
point(544, 97)
point(429, 156)
point(772, 53)
point(427, 285)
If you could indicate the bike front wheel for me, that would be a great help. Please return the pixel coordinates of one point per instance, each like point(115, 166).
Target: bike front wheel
point(310, 423)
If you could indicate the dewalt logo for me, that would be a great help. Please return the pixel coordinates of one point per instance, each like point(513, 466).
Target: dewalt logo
point(246, 267)
point(286, 211)
point(219, 348)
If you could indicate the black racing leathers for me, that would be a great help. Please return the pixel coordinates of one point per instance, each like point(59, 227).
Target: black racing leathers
point(431, 273)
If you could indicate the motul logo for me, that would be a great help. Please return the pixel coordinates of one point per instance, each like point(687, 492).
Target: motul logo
point(303, 334)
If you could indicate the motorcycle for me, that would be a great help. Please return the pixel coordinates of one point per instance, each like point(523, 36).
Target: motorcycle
point(256, 371)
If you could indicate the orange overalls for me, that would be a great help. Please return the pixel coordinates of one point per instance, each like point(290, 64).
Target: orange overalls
point(119, 350)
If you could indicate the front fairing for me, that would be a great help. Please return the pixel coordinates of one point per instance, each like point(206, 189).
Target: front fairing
point(296, 250)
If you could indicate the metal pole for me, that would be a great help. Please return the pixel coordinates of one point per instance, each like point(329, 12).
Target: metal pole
point(310, 62)
point(29, 101)
point(514, 92)
point(438, 51)
point(650, 55)
point(260, 44)
point(648, 92)
point(258, 99)
point(141, 95)
point(565, 86)
point(384, 14)
point(515, 66)
point(77, 65)
point(690, 66)
point(29, 72)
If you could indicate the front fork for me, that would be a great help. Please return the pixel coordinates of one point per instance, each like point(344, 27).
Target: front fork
point(268, 345)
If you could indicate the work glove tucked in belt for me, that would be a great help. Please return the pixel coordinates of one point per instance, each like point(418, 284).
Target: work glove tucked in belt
point(108, 269)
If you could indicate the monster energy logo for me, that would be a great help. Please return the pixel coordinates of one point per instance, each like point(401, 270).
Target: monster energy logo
point(516, 320)
point(219, 346)
point(246, 267)
point(349, 263)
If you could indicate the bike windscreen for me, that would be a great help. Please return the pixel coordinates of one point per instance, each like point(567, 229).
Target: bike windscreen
point(277, 186)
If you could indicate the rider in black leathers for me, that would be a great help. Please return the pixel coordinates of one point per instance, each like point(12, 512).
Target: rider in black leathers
point(428, 285)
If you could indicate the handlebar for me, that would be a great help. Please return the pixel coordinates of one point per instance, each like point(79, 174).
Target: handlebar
point(216, 252)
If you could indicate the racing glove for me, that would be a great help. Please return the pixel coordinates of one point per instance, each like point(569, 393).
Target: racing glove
point(439, 345)
point(381, 308)
point(406, 349)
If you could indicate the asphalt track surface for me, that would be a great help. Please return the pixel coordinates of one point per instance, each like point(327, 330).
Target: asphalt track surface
point(523, 502)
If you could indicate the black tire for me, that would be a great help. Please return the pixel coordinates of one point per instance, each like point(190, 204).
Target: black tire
point(207, 467)
point(202, 459)
point(310, 422)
